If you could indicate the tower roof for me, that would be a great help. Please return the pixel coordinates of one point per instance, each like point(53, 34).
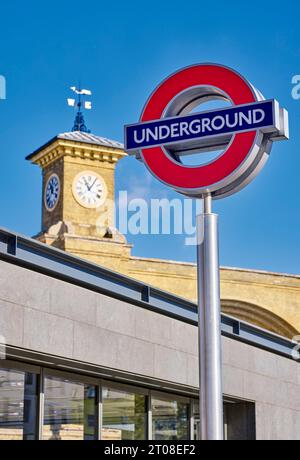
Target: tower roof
point(82, 137)
point(90, 139)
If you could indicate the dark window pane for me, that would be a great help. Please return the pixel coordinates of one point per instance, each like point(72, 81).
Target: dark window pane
point(239, 421)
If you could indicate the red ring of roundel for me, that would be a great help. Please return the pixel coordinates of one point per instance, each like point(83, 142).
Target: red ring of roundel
point(180, 176)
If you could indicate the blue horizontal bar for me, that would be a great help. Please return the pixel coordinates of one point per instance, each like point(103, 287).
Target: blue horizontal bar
point(209, 124)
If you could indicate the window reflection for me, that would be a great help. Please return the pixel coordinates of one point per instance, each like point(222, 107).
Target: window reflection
point(18, 405)
point(70, 410)
point(169, 419)
point(124, 415)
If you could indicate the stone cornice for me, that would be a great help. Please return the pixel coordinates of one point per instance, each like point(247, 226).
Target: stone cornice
point(61, 148)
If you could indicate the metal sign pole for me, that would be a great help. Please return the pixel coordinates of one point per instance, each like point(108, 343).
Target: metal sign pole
point(209, 326)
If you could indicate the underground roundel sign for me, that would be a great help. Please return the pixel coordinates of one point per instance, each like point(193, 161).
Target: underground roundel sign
point(240, 134)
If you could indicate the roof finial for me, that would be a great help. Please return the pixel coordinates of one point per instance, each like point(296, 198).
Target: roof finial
point(79, 124)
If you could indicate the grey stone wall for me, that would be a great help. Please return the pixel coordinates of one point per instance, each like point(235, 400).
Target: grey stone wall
point(42, 314)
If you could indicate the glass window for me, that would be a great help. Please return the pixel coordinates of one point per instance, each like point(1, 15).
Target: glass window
point(124, 415)
point(169, 419)
point(70, 411)
point(18, 405)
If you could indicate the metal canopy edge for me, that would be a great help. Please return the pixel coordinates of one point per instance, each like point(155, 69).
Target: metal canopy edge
point(33, 255)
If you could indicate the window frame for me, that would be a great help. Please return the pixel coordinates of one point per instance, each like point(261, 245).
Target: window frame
point(42, 372)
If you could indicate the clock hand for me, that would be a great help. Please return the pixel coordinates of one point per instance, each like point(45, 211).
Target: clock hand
point(86, 183)
point(93, 184)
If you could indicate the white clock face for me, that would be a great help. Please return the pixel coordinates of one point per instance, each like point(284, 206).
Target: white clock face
point(89, 189)
point(52, 192)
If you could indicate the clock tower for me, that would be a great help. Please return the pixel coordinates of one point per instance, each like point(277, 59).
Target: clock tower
point(78, 197)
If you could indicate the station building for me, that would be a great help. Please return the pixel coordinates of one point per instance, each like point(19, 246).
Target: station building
point(98, 344)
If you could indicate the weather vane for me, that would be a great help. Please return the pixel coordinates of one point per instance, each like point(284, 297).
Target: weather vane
point(81, 102)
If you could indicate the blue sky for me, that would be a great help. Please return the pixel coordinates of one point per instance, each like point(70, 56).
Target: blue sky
point(122, 50)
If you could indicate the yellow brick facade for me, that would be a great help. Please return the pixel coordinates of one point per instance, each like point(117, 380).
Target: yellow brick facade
point(266, 299)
